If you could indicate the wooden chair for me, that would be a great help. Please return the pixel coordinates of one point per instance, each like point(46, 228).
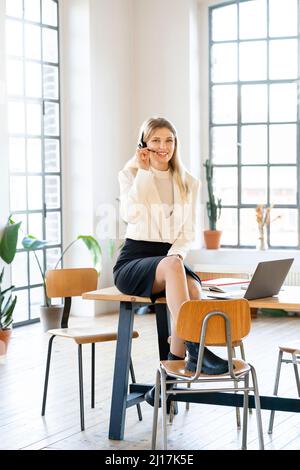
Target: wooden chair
point(209, 322)
point(68, 283)
point(294, 351)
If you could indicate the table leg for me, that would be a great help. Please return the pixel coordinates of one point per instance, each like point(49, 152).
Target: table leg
point(163, 330)
point(121, 372)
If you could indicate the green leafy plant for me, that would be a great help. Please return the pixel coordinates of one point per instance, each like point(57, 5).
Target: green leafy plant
point(6, 305)
point(8, 248)
point(31, 243)
point(213, 207)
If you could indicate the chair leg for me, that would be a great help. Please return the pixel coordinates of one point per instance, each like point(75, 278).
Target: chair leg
point(237, 410)
point(47, 374)
point(164, 407)
point(296, 374)
point(132, 374)
point(187, 405)
point(93, 376)
point(275, 392)
point(155, 411)
point(81, 386)
point(243, 356)
point(258, 410)
point(245, 413)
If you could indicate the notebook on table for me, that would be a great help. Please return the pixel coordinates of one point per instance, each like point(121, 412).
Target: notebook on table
point(266, 281)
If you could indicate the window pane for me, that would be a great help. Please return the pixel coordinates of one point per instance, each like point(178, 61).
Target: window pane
point(53, 227)
point(224, 104)
point(224, 63)
point(50, 45)
point(228, 224)
point(283, 17)
point(35, 225)
point(49, 9)
point(14, 73)
point(253, 60)
point(32, 42)
point(36, 300)
point(33, 80)
point(224, 144)
point(253, 19)
point(35, 193)
point(17, 155)
point(254, 185)
point(284, 231)
point(21, 310)
point(248, 227)
point(18, 193)
point(16, 118)
point(51, 119)
point(254, 144)
point(14, 38)
point(35, 274)
point(34, 117)
point(283, 59)
point(224, 23)
point(283, 102)
point(283, 185)
point(19, 270)
point(254, 103)
point(32, 10)
point(283, 143)
point(52, 192)
point(226, 185)
point(14, 8)
point(52, 163)
point(50, 82)
point(34, 155)
point(52, 256)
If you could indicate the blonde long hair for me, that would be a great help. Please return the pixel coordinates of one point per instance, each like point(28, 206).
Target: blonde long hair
point(176, 166)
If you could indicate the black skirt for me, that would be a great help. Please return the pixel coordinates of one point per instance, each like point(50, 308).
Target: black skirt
point(134, 271)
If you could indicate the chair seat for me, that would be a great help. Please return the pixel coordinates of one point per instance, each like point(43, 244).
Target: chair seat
point(87, 335)
point(292, 348)
point(177, 368)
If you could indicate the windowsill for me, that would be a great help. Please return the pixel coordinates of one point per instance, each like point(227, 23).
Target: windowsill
point(238, 259)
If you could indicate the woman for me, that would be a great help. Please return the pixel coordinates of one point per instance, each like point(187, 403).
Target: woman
point(158, 203)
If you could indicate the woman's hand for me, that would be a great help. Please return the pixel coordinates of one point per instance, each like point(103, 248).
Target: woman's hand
point(143, 158)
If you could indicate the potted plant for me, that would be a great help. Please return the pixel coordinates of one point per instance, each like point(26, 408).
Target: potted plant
point(51, 315)
point(212, 236)
point(8, 248)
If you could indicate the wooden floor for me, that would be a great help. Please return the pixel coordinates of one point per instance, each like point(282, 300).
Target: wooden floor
point(203, 427)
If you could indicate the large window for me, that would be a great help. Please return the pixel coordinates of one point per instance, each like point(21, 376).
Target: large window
point(34, 141)
point(254, 117)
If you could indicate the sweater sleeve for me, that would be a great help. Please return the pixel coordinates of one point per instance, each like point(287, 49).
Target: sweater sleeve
point(187, 234)
point(133, 192)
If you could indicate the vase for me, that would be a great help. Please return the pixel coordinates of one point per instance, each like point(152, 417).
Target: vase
point(262, 240)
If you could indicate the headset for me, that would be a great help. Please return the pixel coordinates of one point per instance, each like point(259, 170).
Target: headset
point(142, 144)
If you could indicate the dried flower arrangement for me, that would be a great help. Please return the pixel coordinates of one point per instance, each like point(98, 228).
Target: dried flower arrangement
point(263, 219)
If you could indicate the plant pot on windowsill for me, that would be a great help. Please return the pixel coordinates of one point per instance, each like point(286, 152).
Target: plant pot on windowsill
point(5, 335)
point(212, 239)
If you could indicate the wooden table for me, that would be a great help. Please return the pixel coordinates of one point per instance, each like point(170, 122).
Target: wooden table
point(288, 299)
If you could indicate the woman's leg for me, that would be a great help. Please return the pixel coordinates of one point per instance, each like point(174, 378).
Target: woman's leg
point(170, 276)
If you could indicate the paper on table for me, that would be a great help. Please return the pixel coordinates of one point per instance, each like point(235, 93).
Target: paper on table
point(224, 284)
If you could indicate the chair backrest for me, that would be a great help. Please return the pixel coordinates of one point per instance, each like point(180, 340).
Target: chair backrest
point(193, 312)
point(70, 282)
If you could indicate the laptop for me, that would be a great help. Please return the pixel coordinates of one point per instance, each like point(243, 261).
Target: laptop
point(266, 281)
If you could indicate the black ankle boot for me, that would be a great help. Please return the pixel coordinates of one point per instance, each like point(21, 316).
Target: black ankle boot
point(150, 395)
point(211, 365)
